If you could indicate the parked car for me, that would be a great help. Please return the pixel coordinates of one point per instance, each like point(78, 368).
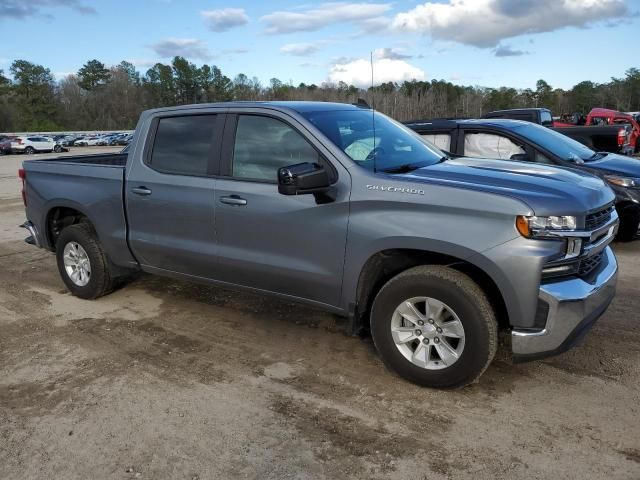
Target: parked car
point(525, 141)
point(120, 139)
point(58, 148)
point(91, 141)
point(32, 144)
point(606, 138)
point(69, 140)
point(345, 209)
point(5, 145)
point(604, 116)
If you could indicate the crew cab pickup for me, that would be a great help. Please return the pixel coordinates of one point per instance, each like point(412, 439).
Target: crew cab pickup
point(342, 208)
point(602, 138)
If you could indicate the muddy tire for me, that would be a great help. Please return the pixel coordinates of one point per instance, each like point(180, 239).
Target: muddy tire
point(82, 262)
point(435, 327)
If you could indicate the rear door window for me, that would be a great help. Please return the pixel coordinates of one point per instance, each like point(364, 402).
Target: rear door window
point(183, 145)
point(490, 145)
point(545, 118)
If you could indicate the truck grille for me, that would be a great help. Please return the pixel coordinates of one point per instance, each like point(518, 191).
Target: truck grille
point(589, 264)
point(599, 218)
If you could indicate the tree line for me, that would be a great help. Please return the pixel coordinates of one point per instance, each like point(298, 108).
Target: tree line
point(101, 98)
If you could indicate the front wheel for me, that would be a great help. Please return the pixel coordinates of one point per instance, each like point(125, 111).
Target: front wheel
point(82, 262)
point(629, 226)
point(57, 149)
point(434, 327)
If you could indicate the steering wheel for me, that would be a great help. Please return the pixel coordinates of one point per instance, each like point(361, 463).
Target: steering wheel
point(374, 152)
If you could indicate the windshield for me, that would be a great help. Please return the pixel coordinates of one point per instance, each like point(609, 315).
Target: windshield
point(556, 143)
point(382, 145)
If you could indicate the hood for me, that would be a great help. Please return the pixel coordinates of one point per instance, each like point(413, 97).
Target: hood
point(547, 190)
point(616, 165)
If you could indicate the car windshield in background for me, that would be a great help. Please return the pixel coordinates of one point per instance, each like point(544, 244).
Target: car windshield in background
point(557, 143)
point(375, 142)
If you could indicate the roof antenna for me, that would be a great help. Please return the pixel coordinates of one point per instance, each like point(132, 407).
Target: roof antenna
point(373, 117)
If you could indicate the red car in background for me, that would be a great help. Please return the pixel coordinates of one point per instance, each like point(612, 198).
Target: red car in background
point(604, 116)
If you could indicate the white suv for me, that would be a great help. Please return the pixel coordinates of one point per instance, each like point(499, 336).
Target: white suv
point(33, 144)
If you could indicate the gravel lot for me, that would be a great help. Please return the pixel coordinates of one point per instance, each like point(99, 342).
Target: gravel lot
point(165, 379)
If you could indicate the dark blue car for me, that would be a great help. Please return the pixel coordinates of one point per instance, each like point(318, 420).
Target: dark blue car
point(528, 142)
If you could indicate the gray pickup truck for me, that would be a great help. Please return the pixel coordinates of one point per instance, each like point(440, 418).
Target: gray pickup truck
point(345, 209)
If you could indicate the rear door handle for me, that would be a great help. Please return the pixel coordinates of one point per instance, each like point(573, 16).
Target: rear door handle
point(233, 200)
point(141, 191)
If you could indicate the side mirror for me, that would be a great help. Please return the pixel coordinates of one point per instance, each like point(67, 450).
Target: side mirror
point(303, 178)
point(520, 157)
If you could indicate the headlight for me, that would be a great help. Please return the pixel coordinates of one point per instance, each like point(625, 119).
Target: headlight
point(531, 227)
point(628, 182)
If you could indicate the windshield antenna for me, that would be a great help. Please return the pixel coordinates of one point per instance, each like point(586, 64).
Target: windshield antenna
point(373, 117)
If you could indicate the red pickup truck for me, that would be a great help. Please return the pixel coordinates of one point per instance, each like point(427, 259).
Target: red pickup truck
point(604, 116)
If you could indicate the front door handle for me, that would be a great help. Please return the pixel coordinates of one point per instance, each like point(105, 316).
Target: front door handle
point(233, 200)
point(141, 191)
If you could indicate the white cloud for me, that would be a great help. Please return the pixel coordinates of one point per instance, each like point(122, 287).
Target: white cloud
point(183, 47)
point(142, 62)
point(323, 15)
point(358, 72)
point(61, 75)
point(225, 18)
point(299, 49)
point(483, 23)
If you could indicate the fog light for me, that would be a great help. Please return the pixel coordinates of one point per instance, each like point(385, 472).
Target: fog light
point(574, 247)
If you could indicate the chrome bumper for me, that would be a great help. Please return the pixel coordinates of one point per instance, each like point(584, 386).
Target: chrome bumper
point(574, 305)
point(33, 238)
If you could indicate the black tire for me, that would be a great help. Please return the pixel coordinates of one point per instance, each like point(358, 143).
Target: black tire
point(101, 280)
point(29, 151)
point(461, 294)
point(57, 149)
point(628, 230)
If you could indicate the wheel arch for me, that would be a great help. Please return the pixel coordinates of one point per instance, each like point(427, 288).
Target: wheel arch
point(60, 215)
point(385, 264)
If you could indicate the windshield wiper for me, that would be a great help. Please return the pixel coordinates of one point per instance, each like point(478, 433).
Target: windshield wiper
point(405, 168)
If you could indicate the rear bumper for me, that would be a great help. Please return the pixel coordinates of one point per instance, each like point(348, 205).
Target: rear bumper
point(574, 306)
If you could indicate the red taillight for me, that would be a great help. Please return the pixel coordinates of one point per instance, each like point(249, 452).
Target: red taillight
point(622, 137)
point(23, 176)
point(19, 141)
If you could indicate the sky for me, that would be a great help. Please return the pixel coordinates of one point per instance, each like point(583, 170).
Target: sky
point(487, 43)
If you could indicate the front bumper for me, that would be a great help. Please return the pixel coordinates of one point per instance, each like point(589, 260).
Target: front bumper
point(574, 306)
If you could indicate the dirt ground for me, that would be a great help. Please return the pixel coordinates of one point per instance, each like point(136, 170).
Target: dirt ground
point(170, 380)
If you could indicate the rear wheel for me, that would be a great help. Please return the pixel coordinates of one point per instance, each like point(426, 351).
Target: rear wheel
point(82, 262)
point(434, 327)
point(29, 150)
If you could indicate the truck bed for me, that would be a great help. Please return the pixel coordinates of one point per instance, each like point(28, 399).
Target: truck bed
point(93, 185)
point(597, 137)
